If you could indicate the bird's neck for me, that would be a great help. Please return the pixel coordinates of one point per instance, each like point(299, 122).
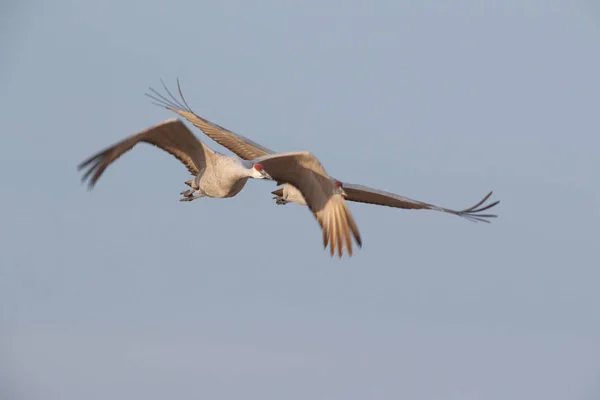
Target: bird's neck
point(248, 169)
point(240, 168)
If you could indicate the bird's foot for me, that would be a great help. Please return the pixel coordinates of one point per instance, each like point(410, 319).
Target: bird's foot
point(190, 198)
point(187, 193)
point(280, 201)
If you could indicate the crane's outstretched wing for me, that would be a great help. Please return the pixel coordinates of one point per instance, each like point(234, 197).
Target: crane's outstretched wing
point(243, 147)
point(172, 136)
point(369, 195)
point(323, 197)
point(363, 194)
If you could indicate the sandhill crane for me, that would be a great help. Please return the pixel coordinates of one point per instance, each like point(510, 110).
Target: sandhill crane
point(248, 150)
point(221, 176)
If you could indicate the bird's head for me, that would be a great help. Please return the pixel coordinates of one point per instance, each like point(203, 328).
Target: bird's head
point(258, 172)
point(340, 187)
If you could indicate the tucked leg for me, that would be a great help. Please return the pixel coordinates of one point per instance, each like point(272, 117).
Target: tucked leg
point(280, 201)
point(191, 198)
point(187, 193)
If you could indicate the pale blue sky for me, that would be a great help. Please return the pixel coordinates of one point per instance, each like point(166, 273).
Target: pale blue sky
point(125, 293)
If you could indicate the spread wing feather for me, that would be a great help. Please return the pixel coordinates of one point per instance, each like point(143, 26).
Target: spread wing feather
point(368, 195)
point(243, 147)
point(172, 136)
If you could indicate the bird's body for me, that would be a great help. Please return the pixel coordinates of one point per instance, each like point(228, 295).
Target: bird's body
point(223, 177)
point(289, 194)
point(249, 150)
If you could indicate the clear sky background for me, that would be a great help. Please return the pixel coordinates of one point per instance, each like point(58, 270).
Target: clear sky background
point(125, 293)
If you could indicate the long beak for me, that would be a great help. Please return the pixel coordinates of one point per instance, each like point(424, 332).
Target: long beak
point(266, 175)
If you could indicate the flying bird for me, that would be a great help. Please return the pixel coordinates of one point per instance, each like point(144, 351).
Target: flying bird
point(219, 176)
point(249, 150)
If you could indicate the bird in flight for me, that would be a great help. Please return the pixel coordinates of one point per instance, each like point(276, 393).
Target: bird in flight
point(249, 150)
point(220, 176)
